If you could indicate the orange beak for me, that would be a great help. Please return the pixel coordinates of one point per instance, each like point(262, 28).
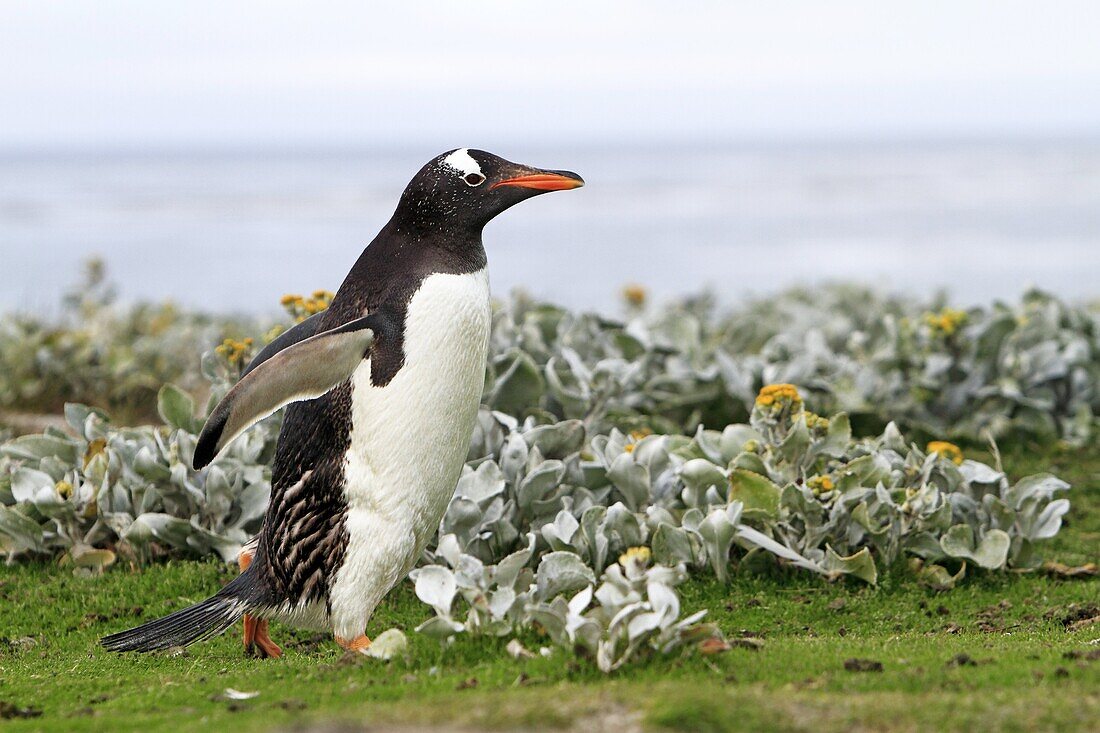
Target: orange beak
point(544, 181)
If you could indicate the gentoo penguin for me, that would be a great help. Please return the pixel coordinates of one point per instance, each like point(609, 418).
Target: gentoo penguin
point(383, 390)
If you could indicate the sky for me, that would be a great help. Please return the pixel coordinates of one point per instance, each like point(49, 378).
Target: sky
point(146, 74)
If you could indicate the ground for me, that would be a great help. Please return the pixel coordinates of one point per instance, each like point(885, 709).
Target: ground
point(1002, 652)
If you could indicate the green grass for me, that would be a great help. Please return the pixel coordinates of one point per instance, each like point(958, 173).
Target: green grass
point(1010, 626)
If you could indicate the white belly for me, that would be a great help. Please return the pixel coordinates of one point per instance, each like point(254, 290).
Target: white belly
point(409, 441)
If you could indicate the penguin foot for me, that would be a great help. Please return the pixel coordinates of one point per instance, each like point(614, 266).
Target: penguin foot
point(357, 644)
point(257, 642)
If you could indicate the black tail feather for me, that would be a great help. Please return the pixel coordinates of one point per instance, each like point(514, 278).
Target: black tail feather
point(194, 623)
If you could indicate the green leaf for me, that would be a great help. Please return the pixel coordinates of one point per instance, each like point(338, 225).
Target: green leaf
point(176, 408)
point(519, 387)
point(734, 438)
point(36, 447)
point(97, 560)
point(861, 564)
point(838, 436)
point(936, 577)
point(793, 448)
point(758, 494)
point(673, 545)
point(18, 532)
point(990, 553)
point(558, 440)
point(749, 462)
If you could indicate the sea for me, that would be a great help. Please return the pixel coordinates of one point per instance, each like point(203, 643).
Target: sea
point(232, 230)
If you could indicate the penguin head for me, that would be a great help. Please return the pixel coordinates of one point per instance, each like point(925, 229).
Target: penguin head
point(462, 190)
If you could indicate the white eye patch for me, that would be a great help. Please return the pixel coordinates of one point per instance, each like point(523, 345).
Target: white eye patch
point(461, 161)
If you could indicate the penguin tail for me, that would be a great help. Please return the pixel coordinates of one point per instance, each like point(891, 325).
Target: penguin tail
point(199, 622)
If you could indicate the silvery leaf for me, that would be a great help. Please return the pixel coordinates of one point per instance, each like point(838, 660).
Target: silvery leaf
point(663, 600)
point(18, 533)
point(176, 408)
point(36, 447)
point(558, 440)
point(990, 553)
point(700, 474)
point(387, 645)
point(672, 545)
point(449, 549)
point(718, 534)
point(631, 479)
point(643, 623)
point(580, 602)
point(837, 437)
point(469, 572)
point(733, 441)
point(27, 482)
point(560, 534)
point(1048, 523)
point(481, 484)
point(501, 602)
point(508, 569)
point(440, 627)
point(536, 484)
point(435, 585)
point(561, 572)
point(513, 457)
point(754, 537)
point(979, 473)
point(859, 564)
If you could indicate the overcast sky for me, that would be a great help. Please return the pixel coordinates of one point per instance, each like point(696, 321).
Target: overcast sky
point(113, 73)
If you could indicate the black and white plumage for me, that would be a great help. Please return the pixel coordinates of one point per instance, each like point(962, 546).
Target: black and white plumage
point(383, 390)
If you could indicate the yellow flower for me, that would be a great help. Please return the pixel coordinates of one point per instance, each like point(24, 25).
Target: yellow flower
point(946, 322)
point(64, 489)
point(95, 447)
point(779, 393)
point(302, 308)
point(275, 332)
point(637, 555)
point(234, 351)
point(821, 484)
point(950, 451)
point(816, 421)
point(635, 295)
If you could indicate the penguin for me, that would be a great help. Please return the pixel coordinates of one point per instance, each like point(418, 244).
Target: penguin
point(381, 393)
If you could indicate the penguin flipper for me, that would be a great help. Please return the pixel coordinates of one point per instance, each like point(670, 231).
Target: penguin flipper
point(297, 333)
point(302, 371)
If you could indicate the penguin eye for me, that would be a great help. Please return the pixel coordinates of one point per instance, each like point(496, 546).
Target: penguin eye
point(474, 179)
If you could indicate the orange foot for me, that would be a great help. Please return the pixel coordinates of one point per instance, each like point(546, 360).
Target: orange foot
point(357, 644)
point(257, 642)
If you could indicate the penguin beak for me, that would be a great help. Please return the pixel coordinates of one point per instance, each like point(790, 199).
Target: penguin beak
point(541, 180)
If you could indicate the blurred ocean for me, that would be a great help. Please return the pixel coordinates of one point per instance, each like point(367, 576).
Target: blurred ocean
point(234, 230)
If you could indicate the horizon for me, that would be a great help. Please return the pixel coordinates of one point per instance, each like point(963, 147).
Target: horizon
point(673, 142)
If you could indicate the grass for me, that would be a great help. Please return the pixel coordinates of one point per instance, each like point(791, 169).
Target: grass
point(1001, 652)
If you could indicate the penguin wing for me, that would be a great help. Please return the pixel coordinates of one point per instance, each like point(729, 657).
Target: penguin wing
point(302, 371)
point(300, 332)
